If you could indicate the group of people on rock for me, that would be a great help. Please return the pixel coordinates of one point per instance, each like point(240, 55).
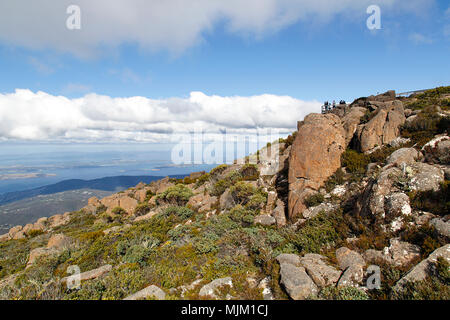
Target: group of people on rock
point(330, 106)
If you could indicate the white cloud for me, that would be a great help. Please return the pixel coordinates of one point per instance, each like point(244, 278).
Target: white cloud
point(41, 116)
point(419, 38)
point(173, 25)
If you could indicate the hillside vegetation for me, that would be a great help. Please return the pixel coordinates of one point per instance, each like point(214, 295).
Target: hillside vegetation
point(364, 185)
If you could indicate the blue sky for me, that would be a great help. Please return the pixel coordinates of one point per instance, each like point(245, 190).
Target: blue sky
point(317, 52)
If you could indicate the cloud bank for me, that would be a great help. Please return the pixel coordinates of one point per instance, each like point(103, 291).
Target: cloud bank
point(25, 115)
point(172, 25)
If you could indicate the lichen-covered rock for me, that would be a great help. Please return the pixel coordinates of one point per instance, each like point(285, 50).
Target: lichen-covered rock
point(438, 150)
point(314, 211)
point(404, 155)
point(320, 272)
point(315, 156)
point(424, 177)
point(210, 289)
point(442, 226)
point(288, 258)
point(265, 220)
point(296, 281)
point(59, 241)
point(226, 200)
point(399, 253)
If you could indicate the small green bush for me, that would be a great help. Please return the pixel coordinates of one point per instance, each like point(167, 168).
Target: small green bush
point(119, 211)
point(314, 200)
point(176, 195)
point(355, 162)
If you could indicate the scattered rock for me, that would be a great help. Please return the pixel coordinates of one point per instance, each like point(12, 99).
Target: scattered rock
point(296, 281)
point(279, 213)
point(347, 258)
point(226, 200)
point(314, 211)
point(399, 253)
point(320, 272)
point(149, 292)
point(424, 177)
point(92, 274)
point(210, 289)
point(265, 220)
point(288, 258)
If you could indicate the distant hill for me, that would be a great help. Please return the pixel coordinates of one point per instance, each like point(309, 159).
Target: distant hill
point(105, 184)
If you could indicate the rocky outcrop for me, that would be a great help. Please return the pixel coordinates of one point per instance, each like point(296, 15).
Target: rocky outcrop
point(315, 156)
point(314, 211)
point(149, 292)
point(383, 128)
point(121, 200)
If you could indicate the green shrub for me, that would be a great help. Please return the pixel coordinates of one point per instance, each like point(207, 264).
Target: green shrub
point(201, 180)
point(336, 179)
point(249, 172)
point(136, 254)
point(314, 200)
point(355, 162)
point(346, 293)
point(183, 213)
point(176, 195)
point(142, 209)
point(119, 211)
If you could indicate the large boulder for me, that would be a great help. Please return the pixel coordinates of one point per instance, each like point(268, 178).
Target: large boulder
point(424, 177)
point(351, 121)
point(352, 263)
point(315, 156)
point(442, 226)
point(404, 155)
point(320, 272)
point(383, 128)
point(438, 150)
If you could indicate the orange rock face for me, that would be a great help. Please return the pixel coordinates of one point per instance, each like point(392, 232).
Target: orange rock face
point(315, 156)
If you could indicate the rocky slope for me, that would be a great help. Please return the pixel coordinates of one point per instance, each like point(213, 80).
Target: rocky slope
point(357, 192)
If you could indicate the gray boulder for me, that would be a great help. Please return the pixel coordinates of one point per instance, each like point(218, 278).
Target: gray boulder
point(149, 292)
point(296, 281)
point(320, 272)
point(404, 155)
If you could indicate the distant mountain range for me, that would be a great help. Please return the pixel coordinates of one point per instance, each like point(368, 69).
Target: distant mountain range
point(105, 184)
